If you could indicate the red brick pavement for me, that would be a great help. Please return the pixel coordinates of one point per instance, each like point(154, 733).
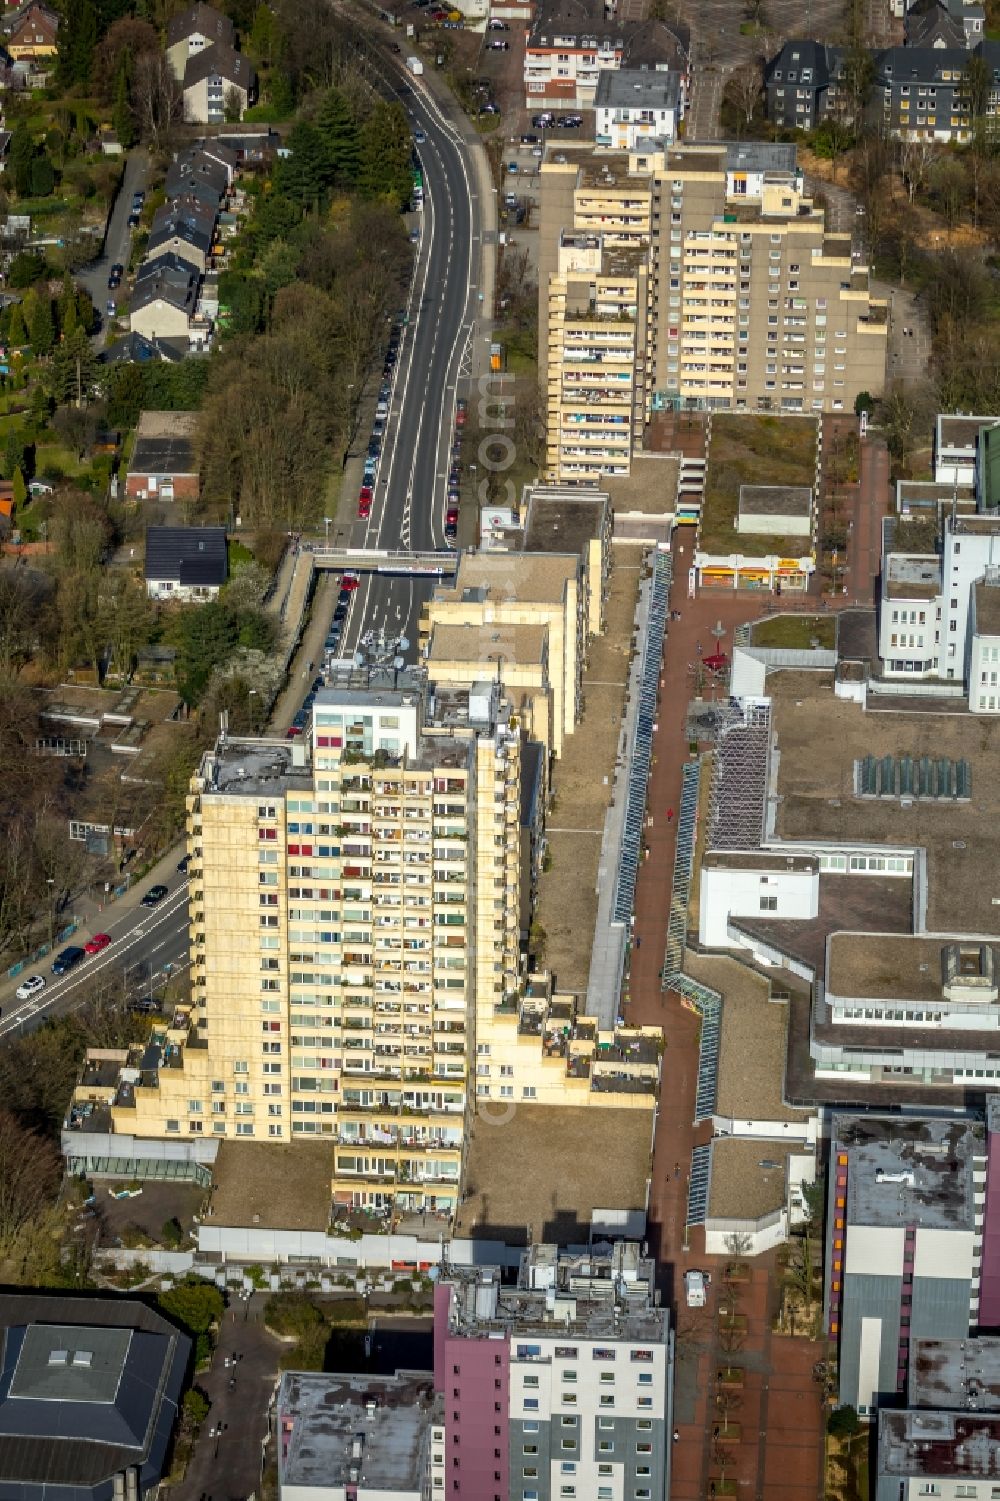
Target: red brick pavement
point(779, 1455)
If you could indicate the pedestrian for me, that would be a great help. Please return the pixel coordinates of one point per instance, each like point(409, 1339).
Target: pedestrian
point(677, 1169)
point(699, 648)
point(670, 815)
point(677, 1434)
point(638, 943)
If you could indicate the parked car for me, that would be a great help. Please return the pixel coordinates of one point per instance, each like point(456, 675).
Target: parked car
point(33, 985)
point(182, 865)
point(293, 732)
point(364, 505)
point(65, 961)
point(512, 168)
point(499, 46)
point(340, 613)
point(97, 944)
point(419, 137)
point(154, 896)
point(495, 24)
point(350, 581)
point(695, 1288)
point(378, 427)
point(529, 140)
point(382, 409)
point(414, 236)
point(367, 493)
point(112, 307)
point(461, 411)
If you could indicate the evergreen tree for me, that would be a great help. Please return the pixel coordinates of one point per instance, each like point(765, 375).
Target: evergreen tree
point(386, 155)
point(77, 40)
point(340, 135)
point(43, 177)
point(17, 333)
point(264, 35)
point(304, 175)
point(73, 368)
point(66, 305)
point(41, 329)
point(121, 115)
point(13, 452)
point(20, 489)
point(22, 154)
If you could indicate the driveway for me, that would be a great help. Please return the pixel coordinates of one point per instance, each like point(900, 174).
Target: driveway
point(228, 1464)
point(117, 241)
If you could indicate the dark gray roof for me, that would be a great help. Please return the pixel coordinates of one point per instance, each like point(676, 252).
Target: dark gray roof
point(199, 19)
point(220, 61)
point(136, 349)
point(186, 554)
point(800, 54)
point(163, 456)
point(172, 222)
point(920, 64)
point(87, 1388)
point(164, 288)
point(199, 175)
point(929, 20)
point(169, 266)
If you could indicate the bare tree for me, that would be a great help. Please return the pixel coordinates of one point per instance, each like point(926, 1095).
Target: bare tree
point(156, 97)
point(29, 1177)
point(745, 88)
point(916, 161)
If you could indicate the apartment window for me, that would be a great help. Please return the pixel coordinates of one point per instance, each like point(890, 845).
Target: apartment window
point(769, 904)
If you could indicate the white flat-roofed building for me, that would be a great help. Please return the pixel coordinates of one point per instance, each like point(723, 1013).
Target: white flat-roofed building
point(637, 102)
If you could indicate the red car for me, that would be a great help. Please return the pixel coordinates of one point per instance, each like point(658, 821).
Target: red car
point(97, 944)
point(293, 732)
point(364, 506)
point(460, 410)
point(349, 581)
point(451, 515)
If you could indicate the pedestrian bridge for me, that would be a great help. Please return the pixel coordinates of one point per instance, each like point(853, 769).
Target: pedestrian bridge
point(377, 560)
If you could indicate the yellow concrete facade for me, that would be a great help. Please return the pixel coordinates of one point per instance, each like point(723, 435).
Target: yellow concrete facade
point(501, 590)
point(696, 277)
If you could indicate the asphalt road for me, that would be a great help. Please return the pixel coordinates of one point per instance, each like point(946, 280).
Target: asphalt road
point(409, 504)
point(408, 509)
point(117, 241)
point(143, 942)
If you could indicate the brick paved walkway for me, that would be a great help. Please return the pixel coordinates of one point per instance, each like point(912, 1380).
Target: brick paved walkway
point(778, 1457)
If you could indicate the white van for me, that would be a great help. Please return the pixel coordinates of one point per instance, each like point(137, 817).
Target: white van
point(695, 1285)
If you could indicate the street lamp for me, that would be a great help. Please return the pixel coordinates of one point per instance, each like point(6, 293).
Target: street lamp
point(326, 523)
point(50, 882)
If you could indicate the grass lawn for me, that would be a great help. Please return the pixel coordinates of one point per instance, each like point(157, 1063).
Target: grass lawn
point(847, 1468)
point(57, 458)
point(796, 632)
point(754, 449)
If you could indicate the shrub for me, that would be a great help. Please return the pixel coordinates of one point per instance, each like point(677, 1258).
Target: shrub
point(292, 1314)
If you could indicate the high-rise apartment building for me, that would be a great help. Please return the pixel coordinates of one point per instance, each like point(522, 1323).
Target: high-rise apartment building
point(691, 277)
point(560, 1387)
point(354, 906)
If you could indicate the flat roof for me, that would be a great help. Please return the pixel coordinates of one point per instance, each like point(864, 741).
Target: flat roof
point(819, 737)
point(562, 523)
point(488, 643)
point(961, 430)
point(910, 577)
point(749, 1178)
point(905, 1170)
point(581, 1159)
point(370, 1430)
point(70, 1363)
point(987, 609)
point(758, 860)
point(890, 966)
point(775, 500)
point(752, 1042)
point(276, 1186)
point(537, 578)
point(921, 1442)
point(955, 1373)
